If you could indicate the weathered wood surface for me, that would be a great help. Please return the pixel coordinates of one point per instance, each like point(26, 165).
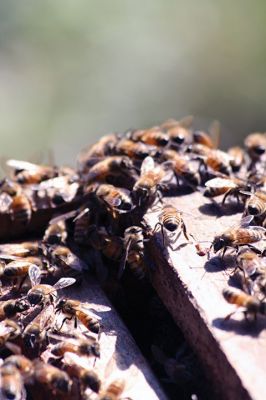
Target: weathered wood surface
point(116, 342)
point(233, 352)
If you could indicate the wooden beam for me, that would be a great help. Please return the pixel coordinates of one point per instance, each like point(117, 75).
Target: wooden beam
point(233, 352)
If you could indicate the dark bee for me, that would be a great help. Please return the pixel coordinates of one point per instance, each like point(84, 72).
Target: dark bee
point(9, 308)
point(110, 166)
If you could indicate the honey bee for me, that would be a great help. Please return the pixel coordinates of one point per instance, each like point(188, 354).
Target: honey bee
point(28, 173)
point(114, 390)
point(22, 364)
point(82, 347)
point(113, 165)
point(171, 220)
point(11, 383)
point(248, 261)
point(78, 368)
point(237, 158)
point(134, 252)
point(255, 144)
point(35, 333)
point(55, 233)
point(182, 167)
point(241, 299)
point(23, 249)
point(74, 309)
point(256, 204)
point(153, 136)
point(51, 377)
point(19, 269)
point(63, 257)
point(136, 150)
point(9, 308)
point(91, 155)
point(238, 236)
point(114, 198)
point(41, 293)
point(146, 187)
point(179, 131)
point(225, 186)
point(208, 140)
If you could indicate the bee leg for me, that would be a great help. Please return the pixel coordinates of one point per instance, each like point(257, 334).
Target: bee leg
point(75, 322)
point(230, 315)
point(223, 253)
point(184, 229)
point(21, 282)
point(225, 196)
point(64, 320)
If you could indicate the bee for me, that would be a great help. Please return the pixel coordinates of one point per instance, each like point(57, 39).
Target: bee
point(134, 252)
point(153, 136)
point(113, 165)
point(146, 187)
point(136, 150)
point(28, 173)
point(22, 364)
point(74, 309)
point(23, 249)
point(77, 367)
point(225, 186)
point(35, 333)
point(55, 233)
point(256, 204)
point(11, 383)
point(237, 155)
point(9, 330)
point(101, 149)
point(170, 219)
point(182, 167)
point(41, 294)
point(208, 140)
point(238, 236)
point(179, 131)
point(255, 144)
point(114, 390)
point(114, 198)
point(9, 308)
point(113, 248)
point(56, 380)
point(57, 191)
point(248, 261)
point(82, 347)
point(63, 257)
point(241, 299)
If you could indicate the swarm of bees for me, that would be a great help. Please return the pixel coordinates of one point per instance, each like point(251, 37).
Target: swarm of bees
point(117, 181)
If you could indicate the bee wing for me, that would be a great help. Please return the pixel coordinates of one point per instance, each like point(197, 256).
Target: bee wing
point(46, 315)
point(220, 183)
point(35, 275)
point(4, 256)
point(5, 330)
point(5, 202)
point(63, 217)
point(55, 183)
point(14, 249)
point(187, 121)
point(69, 191)
point(245, 221)
point(75, 262)
point(74, 359)
point(82, 213)
point(215, 132)
point(22, 165)
point(113, 201)
point(63, 282)
point(88, 311)
point(147, 165)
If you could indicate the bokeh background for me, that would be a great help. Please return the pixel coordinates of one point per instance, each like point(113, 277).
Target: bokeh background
point(71, 71)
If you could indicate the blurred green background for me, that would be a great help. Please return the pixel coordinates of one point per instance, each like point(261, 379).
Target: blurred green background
point(71, 71)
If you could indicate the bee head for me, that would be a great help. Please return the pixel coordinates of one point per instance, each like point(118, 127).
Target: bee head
point(35, 297)
point(218, 244)
point(61, 383)
point(259, 150)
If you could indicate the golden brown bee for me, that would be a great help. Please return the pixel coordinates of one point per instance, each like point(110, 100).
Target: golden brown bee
point(179, 131)
point(42, 294)
point(208, 140)
point(35, 333)
point(256, 204)
point(171, 220)
point(135, 150)
point(153, 136)
point(55, 233)
point(182, 167)
point(226, 186)
point(63, 257)
point(238, 236)
point(114, 198)
point(9, 330)
point(78, 367)
point(255, 144)
point(28, 173)
point(23, 249)
point(9, 308)
point(146, 187)
point(92, 154)
point(110, 166)
point(74, 309)
point(56, 380)
point(82, 347)
point(23, 365)
point(134, 252)
point(241, 299)
point(114, 390)
point(237, 155)
point(11, 383)
point(248, 261)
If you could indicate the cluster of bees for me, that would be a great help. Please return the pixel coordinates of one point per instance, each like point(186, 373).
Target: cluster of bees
point(119, 179)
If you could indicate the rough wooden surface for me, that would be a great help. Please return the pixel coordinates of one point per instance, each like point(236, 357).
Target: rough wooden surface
point(117, 343)
point(233, 352)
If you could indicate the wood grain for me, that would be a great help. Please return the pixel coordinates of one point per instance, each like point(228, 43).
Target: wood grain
point(232, 352)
